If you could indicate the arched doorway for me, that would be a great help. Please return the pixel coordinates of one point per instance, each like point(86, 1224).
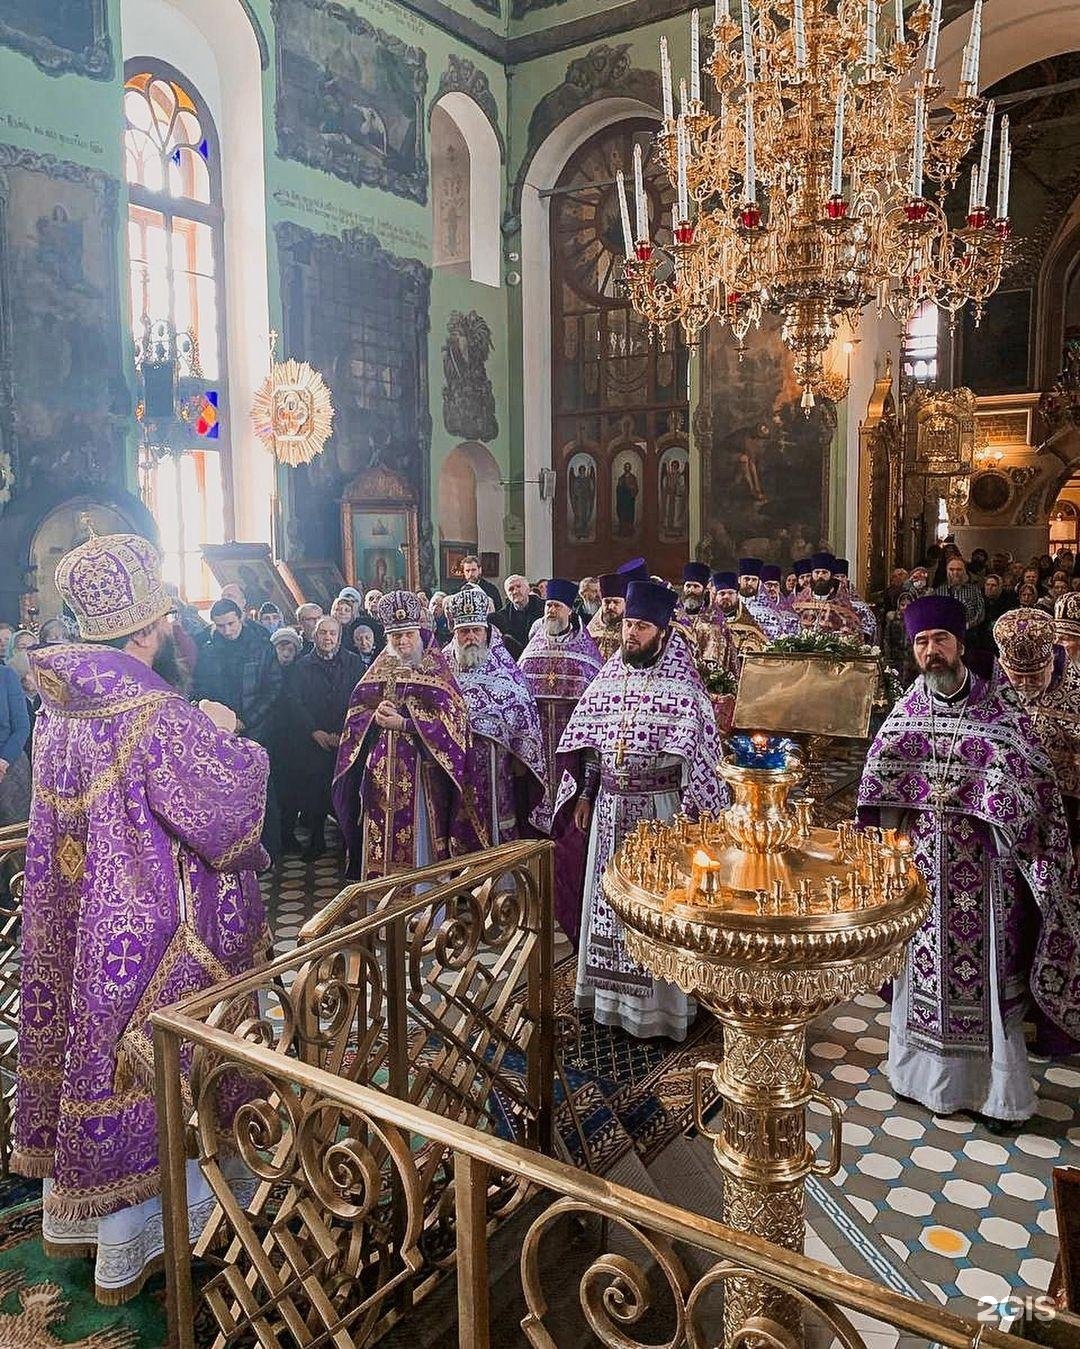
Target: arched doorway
point(620, 405)
point(470, 508)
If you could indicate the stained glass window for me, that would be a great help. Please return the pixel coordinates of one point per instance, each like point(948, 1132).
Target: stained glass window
point(176, 311)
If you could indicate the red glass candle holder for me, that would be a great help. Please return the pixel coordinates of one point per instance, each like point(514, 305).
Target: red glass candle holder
point(643, 252)
point(916, 210)
point(978, 218)
point(751, 216)
point(1003, 228)
point(836, 208)
point(684, 232)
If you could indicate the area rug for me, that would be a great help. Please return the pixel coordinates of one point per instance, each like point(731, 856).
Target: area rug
point(46, 1303)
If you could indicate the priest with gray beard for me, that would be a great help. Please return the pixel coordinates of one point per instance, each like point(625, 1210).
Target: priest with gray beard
point(507, 772)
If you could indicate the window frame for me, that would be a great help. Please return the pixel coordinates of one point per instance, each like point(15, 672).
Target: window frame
point(212, 215)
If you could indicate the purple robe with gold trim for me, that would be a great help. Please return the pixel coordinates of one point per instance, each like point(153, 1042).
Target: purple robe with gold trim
point(559, 670)
point(383, 778)
point(995, 841)
point(141, 808)
point(507, 758)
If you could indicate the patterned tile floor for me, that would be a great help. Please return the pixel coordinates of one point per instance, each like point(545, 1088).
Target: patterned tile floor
point(935, 1208)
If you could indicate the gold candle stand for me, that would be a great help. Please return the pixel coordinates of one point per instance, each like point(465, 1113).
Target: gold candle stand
point(769, 922)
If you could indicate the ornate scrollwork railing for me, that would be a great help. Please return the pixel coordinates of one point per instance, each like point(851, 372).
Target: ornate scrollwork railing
point(12, 879)
point(356, 1140)
point(434, 987)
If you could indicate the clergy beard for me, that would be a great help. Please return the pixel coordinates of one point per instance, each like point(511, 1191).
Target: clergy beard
point(645, 655)
point(728, 606)
point(552, 628)
point(167, 663)
point(822, 589)
point(588, 608)
point(692, 604)
point(748, 589)
point(943, 677)
point(470, 657)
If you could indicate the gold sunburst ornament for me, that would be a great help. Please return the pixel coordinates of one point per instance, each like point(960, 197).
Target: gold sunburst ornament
point(293, 414)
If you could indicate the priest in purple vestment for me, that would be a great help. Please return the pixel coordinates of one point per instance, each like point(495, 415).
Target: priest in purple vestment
point(646, 740)
point(958, 766)
point(559, 663)
point(507, 758)
point(140, 890)
point(403, 792)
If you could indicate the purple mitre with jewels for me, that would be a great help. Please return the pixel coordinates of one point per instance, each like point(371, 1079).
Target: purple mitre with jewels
point(400, 611)
point(1025, 640)
point(112, 584)
point(468, 608)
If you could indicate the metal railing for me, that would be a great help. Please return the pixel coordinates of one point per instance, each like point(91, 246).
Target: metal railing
point(12, 881)
point(386, 1093)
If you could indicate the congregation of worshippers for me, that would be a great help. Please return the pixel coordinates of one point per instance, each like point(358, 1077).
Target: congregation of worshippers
point(407, 729)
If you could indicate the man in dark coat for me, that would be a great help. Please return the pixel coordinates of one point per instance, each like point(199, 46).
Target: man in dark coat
point(316, 700)
point(472, 575)
point(515, 619)
point(238, 667)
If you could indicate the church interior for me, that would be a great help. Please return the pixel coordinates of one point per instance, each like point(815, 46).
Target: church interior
point(540, 653)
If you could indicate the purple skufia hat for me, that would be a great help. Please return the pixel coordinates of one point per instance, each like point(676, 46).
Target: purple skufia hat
point(563, 592)
point(650, 602)
point(803, 567)
point(612, 586)
point(771, 572)
point(841, 566)
point(696, 572)
point(750, 566)
point(935, 612)
point(725, 580)
point(822, 562)
point(637, 569)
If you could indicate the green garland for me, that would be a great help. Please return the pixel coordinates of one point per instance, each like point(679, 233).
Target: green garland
point(721, 682)
point(820, 644)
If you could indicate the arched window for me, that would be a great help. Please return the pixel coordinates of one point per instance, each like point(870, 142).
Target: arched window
point(175, 253)
point(920, 351)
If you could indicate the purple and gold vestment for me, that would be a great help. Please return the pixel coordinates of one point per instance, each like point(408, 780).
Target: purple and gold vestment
point(655, 734)
point(384, 779)
point(558, 671)
point(505, 726)
point(141, 809)
point(991, 841)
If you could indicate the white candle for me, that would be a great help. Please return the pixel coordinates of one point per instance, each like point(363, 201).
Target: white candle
point(750, 167)
point(900, 34)
point(800, 35)
point(838, 144)
point(871, 32)
point(932, 37)
point(641, 202)
point(665, 80)
point(695, 56)
point(984, 161)
point(624, 212)
point(723, 10)
point(682, 98)
point(1004, 158)
point(973, 194)
point(976, 45)
point(748, 41)
point(920, 146)
point(681, 187)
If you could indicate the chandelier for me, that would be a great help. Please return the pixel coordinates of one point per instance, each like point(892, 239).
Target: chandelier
point(803, 187)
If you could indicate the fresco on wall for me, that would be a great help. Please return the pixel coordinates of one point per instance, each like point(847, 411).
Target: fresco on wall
point(764, 461)
point(60, 35)
point(63, 400)
point(581, 497)
point(468, 398)
point(350, 98)
point(361, 316)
